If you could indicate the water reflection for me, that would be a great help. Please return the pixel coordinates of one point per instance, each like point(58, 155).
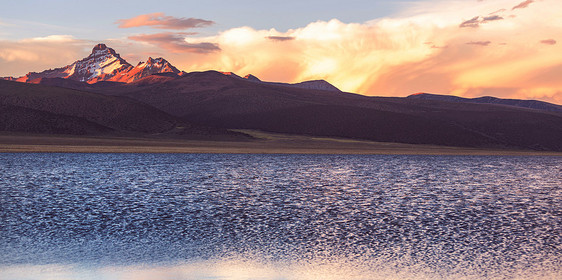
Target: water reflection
point(245, 269)
point(280, 217)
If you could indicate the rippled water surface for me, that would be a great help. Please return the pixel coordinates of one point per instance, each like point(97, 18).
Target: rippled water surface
point(166, 216)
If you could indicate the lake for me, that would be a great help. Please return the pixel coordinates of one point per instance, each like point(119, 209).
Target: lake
point(214, 216)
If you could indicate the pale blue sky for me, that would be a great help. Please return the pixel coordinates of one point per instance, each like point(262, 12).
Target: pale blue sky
point(94, 20)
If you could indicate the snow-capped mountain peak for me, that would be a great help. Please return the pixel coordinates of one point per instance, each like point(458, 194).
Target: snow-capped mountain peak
point(100, 47)
point(144, 69)
point(158, 63)
point(104, 64)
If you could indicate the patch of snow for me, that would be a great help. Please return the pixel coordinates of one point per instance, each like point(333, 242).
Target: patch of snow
point(70, 70)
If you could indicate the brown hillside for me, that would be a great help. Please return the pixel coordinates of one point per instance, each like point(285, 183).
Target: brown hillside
point(214, 99)
point(90, 113)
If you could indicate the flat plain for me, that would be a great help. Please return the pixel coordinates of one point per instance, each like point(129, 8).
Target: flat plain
point(263, 143)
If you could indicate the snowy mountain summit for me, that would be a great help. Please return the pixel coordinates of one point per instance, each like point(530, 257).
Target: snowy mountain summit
point(101, 65)
point(144, 69)
point(104, 64)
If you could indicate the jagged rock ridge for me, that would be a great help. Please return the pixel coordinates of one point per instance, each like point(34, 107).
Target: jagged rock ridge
point(531, 104)
point(104, 64)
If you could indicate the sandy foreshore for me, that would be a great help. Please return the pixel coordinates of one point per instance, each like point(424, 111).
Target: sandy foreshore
point(265, 143)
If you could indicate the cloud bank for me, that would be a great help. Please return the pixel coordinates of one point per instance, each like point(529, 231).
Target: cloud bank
point(175, 42)
point(505, 51)
point(159, 20)
point(523, 4)
point(40, 53)
point(476, 21)
point(421, 50)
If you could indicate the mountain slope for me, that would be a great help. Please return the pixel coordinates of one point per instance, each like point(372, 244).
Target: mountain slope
point(531, 104)
point(103, 64)
point(39, 108)
point(214, 99)
point(145, 69)
point(314, 84)
point(22, 119)
point(156, 98)
point(317, 85)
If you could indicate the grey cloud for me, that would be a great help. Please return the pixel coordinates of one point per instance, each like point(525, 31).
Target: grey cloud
point(476, 21)
point(280, 38)
point(491, 18)
point(523, 4)
point(549, 42)
point(498, 11)
point(479, 43)
point(161, 21)
point(175, 42)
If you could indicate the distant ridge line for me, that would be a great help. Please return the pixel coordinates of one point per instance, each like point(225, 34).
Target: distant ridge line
point(530, 104)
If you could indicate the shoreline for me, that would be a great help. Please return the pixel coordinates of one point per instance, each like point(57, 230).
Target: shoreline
point(266, 143)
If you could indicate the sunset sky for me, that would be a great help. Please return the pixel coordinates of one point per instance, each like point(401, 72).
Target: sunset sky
point(503, 48)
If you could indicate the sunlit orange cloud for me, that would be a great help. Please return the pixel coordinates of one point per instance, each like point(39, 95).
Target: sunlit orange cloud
point(159, 20)
point(37, 54)
point(174, 42)
point(507, 49)
point(424, 49)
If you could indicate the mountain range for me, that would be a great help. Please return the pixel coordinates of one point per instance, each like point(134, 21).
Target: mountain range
point(531, 104)
point(102, 94)
point(103, 64)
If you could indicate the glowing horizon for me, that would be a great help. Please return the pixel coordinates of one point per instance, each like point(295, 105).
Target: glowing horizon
point(501, 48)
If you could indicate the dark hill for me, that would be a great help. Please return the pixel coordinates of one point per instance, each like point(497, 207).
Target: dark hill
point(211, 98)
point(47, 109)
point(531, 104)
point(73, 84)
point(21, 119)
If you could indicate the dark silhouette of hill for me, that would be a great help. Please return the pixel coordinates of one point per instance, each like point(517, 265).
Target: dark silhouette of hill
point(21, 119)
point(214, 99)
point(531, 104)
point(154, 98)
point(46, 109)
point(72, 84)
